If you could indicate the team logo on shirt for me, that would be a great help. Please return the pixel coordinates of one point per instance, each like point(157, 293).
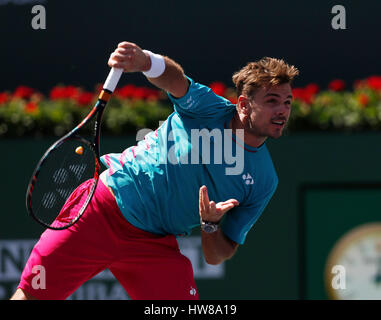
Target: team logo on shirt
point(248, 179)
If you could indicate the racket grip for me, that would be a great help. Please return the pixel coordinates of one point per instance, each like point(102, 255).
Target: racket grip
point(113, 79)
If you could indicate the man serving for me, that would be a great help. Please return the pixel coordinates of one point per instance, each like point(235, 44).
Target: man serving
point(171, 183)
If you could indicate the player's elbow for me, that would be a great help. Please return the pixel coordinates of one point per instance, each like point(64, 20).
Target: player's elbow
point(213, 260)
point(218, 259)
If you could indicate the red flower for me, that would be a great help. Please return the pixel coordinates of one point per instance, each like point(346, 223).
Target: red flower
point(84, 98)
point(132, 92)
point(308, 97)
point(307, 93)
point(363, 99)
point(152, 94)
point(218, 88)
point(57, 93)
point(3, 97)
point(139, 93)
point(23, 92)
point(312, 88)
point(297, 93)
point(126, 91)
point(31, 107)
point(374, 82)
point(303, 95)
point(69, 92)
point(336, 85)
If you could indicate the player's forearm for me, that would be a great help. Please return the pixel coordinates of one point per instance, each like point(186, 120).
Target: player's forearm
point(173, 79)
point(217, 247)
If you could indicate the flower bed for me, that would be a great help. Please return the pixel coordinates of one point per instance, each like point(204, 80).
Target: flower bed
point(28, 112)
point(337, 109)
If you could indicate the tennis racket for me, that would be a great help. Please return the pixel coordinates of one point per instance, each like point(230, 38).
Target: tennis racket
point(68, 163)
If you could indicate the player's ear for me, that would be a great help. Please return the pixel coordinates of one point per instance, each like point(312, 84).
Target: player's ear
point(243, 105)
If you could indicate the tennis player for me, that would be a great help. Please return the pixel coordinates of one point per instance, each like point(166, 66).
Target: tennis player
point(164, 187)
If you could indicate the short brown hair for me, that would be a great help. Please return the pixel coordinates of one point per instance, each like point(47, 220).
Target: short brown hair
point(262, 73)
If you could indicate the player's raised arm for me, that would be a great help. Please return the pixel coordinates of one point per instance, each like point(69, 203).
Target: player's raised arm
point(161, 71)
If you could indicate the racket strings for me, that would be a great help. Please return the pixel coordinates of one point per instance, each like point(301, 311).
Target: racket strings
point(60, 175)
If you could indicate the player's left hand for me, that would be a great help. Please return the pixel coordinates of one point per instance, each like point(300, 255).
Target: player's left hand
point(210, 211)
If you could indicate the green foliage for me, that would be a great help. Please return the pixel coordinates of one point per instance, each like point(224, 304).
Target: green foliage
point(359, 110)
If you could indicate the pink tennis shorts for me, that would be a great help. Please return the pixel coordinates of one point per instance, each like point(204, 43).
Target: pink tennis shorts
point(148, 266)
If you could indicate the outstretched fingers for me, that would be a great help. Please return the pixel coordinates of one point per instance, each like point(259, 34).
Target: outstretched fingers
point(209, 210)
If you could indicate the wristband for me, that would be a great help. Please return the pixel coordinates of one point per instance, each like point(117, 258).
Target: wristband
point(157, 65)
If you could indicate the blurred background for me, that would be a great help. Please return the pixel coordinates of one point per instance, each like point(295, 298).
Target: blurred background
point(325, 212)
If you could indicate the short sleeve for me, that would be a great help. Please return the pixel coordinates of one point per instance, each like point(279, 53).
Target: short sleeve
point(201, 102)
point(240, 220)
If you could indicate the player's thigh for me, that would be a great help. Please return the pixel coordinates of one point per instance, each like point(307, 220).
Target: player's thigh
point(62, 260)
point(157, 277)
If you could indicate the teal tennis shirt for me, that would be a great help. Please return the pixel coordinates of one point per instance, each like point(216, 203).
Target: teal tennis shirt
point(156, 183)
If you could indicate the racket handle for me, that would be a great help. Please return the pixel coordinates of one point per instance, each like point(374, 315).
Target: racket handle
point(113, 79)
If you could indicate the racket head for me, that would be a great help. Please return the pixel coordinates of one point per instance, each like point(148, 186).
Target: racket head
point(66, 166)
point(69, 170)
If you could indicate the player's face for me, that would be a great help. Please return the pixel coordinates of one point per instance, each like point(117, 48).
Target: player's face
point(270, 110)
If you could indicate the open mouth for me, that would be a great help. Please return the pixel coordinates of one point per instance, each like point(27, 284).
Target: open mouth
point(280, 123)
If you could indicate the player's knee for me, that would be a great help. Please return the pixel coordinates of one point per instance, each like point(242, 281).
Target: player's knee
point(21, 294)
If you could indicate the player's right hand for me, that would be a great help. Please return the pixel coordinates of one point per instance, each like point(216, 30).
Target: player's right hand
point(129, 57)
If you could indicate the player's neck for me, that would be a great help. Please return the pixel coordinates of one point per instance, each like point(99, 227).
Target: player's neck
point(250, 138)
